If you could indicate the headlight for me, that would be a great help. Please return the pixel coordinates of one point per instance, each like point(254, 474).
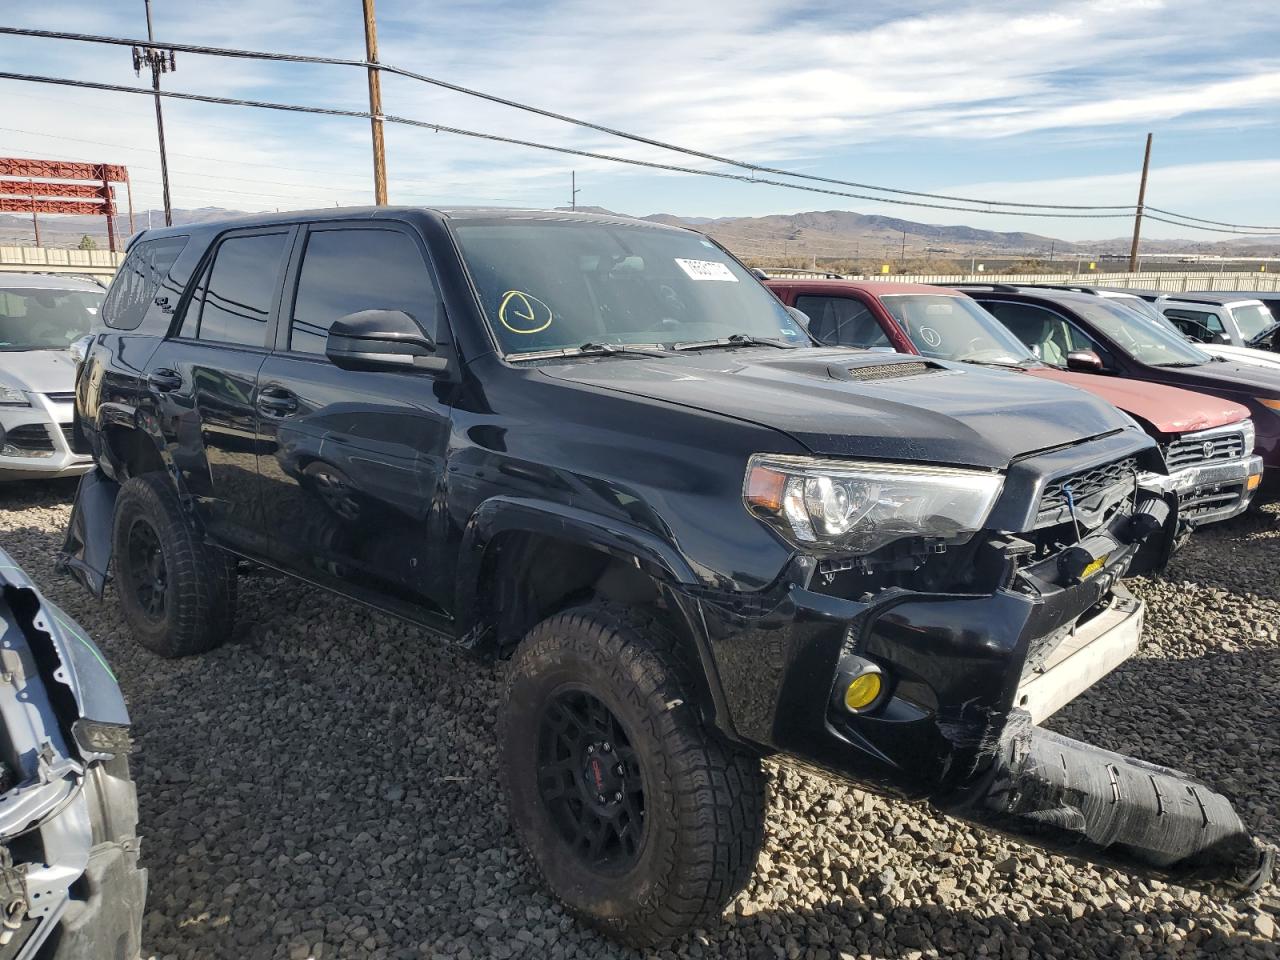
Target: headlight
point(849, 506)
point(1250, 436)
point(11, 396)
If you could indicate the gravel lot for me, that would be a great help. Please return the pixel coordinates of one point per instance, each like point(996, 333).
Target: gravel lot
point(324, 786)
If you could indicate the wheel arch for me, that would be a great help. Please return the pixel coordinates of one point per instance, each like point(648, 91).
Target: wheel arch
point(522, 561)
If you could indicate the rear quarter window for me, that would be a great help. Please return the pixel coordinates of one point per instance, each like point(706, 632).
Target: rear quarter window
point(141, 281)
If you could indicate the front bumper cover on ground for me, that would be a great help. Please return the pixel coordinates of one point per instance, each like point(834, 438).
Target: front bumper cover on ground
point(1083, 801)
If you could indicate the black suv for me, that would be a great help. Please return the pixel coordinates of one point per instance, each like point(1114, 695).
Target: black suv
point(600, 448)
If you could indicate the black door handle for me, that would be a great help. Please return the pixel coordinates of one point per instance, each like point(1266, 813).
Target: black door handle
point(277, 402)
point(164, 379)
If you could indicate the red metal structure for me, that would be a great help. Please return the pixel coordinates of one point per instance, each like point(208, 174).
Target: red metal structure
point(92, 194)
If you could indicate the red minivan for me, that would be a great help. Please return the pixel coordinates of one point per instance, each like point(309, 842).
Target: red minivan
point(1207, 441)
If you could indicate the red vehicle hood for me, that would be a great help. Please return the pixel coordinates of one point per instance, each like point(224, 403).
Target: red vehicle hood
point(1168, 409)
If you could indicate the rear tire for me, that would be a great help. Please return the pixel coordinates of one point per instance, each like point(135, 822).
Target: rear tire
point(177, 594)
point(657, 839)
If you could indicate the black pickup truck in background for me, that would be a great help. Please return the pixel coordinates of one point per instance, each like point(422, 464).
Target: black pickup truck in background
point(600, 448)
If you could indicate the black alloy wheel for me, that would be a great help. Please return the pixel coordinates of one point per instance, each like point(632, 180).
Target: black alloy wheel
point(591, 781)
point(148, 576)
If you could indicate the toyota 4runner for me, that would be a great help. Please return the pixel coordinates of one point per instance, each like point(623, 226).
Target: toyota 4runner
point(600, 448)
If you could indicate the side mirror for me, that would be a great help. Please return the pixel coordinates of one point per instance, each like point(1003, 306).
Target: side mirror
point(799, 316)
point(1223, 338)
point(381, 340)
point(79, 349)
point(1085, 361)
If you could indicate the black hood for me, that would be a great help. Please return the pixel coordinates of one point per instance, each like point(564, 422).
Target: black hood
point(1247, 378)
point(851, 403)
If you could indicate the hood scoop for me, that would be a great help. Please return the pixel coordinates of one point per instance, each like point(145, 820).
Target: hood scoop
point(896, 370)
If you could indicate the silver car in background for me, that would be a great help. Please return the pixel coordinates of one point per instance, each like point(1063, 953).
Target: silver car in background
point(41, 316)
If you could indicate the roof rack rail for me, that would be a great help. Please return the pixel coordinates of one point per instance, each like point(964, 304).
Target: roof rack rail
point(999, 287)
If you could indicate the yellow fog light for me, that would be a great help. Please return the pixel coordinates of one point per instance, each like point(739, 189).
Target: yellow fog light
point(863, 690)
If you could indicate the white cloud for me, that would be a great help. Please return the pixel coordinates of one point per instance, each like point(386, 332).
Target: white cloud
point(751, 79)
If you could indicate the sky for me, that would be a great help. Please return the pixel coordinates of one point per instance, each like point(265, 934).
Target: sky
point(1045, 103)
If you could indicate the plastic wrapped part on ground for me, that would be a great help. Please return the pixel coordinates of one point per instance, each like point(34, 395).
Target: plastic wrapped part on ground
point(1081, 800)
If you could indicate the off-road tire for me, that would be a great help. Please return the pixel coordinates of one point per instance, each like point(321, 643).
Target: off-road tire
point(200, 592)
point(704, 799)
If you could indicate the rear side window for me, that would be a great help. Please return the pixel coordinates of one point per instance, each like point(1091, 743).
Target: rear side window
point(232, 302)
point(1210, 321)
point(842, 321)
point(348, 270)
point(138, 282)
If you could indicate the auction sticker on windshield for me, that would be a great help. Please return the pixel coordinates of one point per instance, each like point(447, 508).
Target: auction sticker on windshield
point(706, 270)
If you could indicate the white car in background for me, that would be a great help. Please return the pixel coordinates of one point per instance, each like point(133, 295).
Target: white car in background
point(1227, 325)
point(41, 316)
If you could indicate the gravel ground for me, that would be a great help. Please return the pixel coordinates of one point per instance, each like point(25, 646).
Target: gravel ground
point(325, 786)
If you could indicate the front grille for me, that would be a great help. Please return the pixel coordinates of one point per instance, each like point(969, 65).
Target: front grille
point(68, 434)
point(1195, 449)
point(1087, 490)
point(61, 397)
point(891, 371)
point(30, 436)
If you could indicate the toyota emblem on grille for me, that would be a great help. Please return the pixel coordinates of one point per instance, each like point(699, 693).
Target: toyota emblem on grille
point(1208, 449)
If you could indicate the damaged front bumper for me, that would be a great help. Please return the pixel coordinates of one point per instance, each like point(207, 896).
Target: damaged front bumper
point(965, 678)
point(1083, 801)
point(70, 884)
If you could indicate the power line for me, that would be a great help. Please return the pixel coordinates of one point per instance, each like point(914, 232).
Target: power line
point(1192, 226)
point(540, 111)
point(1242, 226)
point(458, 131)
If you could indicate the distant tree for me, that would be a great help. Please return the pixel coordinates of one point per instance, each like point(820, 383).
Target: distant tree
point(87, 243)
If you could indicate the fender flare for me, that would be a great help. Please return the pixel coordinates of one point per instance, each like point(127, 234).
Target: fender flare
point(621, 540)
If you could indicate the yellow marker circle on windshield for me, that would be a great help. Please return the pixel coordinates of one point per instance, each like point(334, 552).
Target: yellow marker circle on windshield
point(520, 312)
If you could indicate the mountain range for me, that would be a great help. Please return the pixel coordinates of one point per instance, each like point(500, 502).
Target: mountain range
point(824, 234)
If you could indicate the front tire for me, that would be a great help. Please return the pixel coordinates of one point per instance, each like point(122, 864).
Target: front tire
point(177, 594)
point(640, 818)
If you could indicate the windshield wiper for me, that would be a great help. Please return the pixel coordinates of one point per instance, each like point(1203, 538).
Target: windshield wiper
point(591, 349)
point(1264, 333)
point(1007, 364)
point(1179, 363)
point(733, 340)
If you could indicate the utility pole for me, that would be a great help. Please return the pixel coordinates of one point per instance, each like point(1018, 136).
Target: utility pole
point(1137, 216)
point(904, 248)
point(35, 223)
point(573, 190)
point(375, 107)
point(159, 62)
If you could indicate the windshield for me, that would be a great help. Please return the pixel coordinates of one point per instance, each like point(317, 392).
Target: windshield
point(556, 284)
point(956, 328)
point(1138, 305)
point(1252, 319)
point(33, 319)
point(1147, 339)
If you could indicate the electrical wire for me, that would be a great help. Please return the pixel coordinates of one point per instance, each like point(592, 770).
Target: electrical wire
point(458, 131)
point(1219, 223)
point(540, 111)
point(1192, 226)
